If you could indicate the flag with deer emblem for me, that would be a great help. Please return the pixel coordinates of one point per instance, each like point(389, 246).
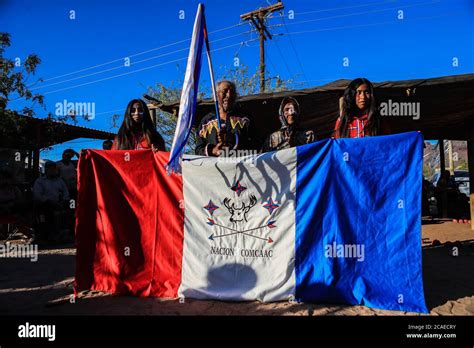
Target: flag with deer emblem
point(335, 221)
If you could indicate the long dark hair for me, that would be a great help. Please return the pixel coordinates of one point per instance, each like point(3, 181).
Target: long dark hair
point(126, 131)
point(349, 109)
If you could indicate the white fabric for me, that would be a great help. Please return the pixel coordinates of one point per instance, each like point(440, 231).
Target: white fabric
point(228, 272)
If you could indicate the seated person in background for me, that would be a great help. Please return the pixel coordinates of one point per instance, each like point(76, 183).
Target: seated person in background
point(235, 132)
point(448, 195)
point(359, 116)
point(51, 196)
point(446, 180)
point(67, 171)
point(290, 134)
point(137, 131)
point(11, 198)
point(13, 206)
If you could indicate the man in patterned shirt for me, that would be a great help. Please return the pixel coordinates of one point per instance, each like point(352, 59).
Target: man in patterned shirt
point(235, 128)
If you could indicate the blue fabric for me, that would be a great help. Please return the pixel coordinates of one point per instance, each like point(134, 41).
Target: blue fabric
point(363, 195)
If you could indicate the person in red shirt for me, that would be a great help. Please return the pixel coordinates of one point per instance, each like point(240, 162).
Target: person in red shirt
point(137, 131)
point(359, 116)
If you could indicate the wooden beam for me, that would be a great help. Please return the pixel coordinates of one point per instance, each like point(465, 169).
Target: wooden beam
point(265, 30)
point(262, 11)
point(255, 24)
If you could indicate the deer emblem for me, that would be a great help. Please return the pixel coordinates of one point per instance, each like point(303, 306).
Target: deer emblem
point(238, 213)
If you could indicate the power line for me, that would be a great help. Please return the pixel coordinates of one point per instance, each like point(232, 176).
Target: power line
point(132, 63)
point(365, 12)
point(370, 24)
point(345, 8)
point(333, 17)
point(219, 30)
point(134, 71)
point(136, 54)
point(283, 58)
point(294, 50)
point(271, 63)
point(227, 28)
point(109, 78)
point(107, 70)
point(108, 112)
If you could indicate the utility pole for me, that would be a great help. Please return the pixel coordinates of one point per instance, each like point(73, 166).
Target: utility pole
point(257, 18)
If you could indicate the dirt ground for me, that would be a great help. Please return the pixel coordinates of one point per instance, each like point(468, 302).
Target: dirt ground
point(46, 287)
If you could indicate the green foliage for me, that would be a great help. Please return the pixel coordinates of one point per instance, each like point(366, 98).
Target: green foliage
point(248, 84)
point(14, 84)
point(14, 79)
point(166, 122)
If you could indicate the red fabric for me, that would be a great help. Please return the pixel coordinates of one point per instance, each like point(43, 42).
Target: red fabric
point(139, 143)
point(128, 204)
point(357, 127)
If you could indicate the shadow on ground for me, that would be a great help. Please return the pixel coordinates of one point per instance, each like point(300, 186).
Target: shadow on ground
point(433, 221)
point(45, 288)
point(447, 277)
point(26, 286)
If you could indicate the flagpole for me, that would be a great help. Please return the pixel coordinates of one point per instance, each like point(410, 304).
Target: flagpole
point(188, 101)
point(211, 71)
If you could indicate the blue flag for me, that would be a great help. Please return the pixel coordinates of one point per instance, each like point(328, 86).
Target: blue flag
point(359, 200)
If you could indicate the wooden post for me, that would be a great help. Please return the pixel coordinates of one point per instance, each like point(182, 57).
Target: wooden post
point(36, 159)
point(257, 18)
point(470, 162)
point(262, 52)
point(450, 157)
point(153, 115)
point(442, 168)
point(36, 152)
point(31, 177)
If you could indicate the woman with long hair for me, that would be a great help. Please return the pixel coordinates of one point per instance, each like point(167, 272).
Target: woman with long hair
point(359, 116)
point(137, 131)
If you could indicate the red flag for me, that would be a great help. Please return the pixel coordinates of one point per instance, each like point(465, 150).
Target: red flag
point(137, 256)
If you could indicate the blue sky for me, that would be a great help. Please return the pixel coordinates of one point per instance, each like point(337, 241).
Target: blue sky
point(310, 49)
